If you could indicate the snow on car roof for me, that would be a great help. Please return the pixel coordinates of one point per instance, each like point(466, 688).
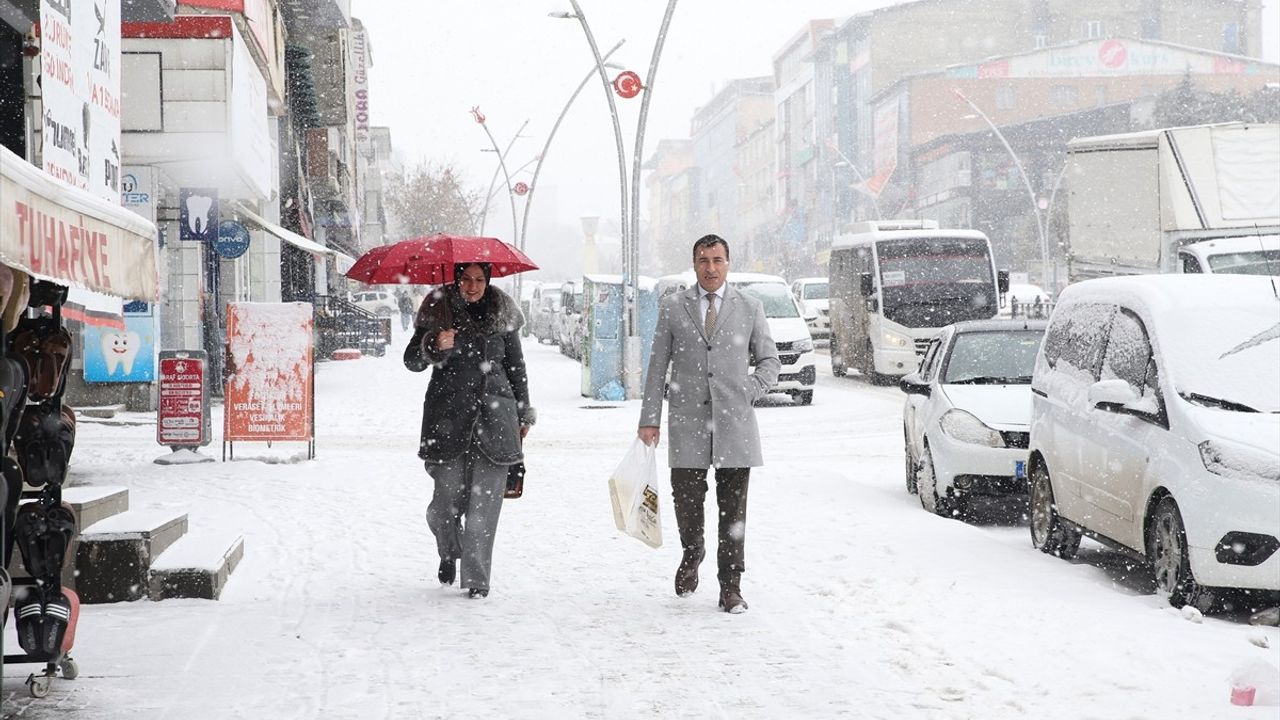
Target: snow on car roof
point(812, 280)
point(1163, 294)
point(1244, 243)
point(996, 325)
point(847, 241)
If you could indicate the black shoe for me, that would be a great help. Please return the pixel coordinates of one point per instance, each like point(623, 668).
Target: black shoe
point(474, 593)
point(687, 573)
point(731, 601)
point(447, 570)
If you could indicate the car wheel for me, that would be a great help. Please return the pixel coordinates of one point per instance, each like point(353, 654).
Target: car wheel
point(804, 397)
point(1049, 532)
point(909, 465)
point(927, 487)
point(1170, 560)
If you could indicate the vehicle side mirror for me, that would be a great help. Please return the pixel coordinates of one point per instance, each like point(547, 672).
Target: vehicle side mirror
point(1002, 281)
point(1112, 395)
point(866, 286)
point(810, 316)
point(913, 384)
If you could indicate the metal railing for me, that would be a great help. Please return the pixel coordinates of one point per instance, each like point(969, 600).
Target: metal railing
point(340, 324)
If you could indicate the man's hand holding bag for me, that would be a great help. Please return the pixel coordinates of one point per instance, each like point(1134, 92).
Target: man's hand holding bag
point(633, 491)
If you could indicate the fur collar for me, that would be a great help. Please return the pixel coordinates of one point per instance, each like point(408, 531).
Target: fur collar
point(444, 308)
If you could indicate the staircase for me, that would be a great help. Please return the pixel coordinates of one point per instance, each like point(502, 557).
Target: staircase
point(122, 554)
point(340, 324)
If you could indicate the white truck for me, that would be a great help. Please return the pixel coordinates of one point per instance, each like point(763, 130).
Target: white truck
point(1204, 198)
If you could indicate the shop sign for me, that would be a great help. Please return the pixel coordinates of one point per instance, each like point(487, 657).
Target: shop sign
point(233, 240)
point(198, 214)
point(80, 93)
point(182, 418)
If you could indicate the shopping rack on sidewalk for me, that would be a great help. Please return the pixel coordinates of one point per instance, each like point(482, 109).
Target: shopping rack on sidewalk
point(34, 356)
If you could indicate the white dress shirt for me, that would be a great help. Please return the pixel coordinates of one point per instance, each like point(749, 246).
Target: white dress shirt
point(704, 298)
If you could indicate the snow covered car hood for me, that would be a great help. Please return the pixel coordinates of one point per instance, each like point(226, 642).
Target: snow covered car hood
point(1260, 431)
point(1003, 407)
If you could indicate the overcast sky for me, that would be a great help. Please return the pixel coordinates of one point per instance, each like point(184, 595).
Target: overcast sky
point(435, 59)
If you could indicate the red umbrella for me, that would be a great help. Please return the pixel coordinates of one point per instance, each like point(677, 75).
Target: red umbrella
point(430, 260)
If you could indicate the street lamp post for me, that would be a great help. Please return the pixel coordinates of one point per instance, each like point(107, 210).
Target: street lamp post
point(629, 228)
point(533, 184)
point(1031, 194)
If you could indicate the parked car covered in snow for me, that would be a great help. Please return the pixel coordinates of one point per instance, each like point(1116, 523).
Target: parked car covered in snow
point(812, 294)
point(967, 413)
point(568, 321)
point(1155, 428)
point(546, 306)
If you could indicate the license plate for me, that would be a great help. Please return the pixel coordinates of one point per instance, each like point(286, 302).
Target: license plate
point(1020, 469)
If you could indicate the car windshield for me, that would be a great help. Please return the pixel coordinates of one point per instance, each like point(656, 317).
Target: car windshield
point(1256, 262)
point(775, 296)
point(1225, 358)
point(814, 291)
point(1004, 357)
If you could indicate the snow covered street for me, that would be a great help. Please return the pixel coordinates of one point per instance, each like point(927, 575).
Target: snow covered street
point(862, 604)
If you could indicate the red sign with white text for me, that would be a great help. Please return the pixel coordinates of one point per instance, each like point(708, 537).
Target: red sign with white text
point(180, 419)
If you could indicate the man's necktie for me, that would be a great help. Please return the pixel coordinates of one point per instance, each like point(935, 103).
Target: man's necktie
point(711, 314)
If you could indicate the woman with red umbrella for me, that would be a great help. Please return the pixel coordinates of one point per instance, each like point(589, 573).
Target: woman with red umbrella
point(475, 416)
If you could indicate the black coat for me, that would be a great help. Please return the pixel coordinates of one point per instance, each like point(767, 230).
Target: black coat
point(479, 390)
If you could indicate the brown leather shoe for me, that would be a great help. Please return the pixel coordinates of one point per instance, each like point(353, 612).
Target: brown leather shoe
point(731, 601)
point(687, 573)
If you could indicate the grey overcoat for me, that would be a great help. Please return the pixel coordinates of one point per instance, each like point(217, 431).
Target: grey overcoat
point(712, 420)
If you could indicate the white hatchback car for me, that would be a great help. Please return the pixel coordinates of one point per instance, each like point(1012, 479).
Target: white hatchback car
point(967, 413)
point(378, 302)
point(1155, 429)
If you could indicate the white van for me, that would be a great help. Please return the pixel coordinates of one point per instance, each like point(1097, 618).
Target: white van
point(786, 325)
point(812, 294)
point(1155, 427)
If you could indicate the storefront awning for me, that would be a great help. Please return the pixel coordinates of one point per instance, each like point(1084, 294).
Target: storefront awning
point(54, 231)
point(288, 236)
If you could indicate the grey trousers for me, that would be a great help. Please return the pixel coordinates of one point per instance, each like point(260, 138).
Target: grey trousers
point(469, 487)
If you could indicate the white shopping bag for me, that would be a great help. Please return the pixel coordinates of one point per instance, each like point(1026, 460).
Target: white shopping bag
point(633, 491)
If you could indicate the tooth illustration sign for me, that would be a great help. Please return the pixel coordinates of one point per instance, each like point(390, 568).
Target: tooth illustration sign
point(120, 349)
point(198, 214)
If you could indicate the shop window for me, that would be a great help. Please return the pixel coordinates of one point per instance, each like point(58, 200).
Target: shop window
point(1064, 96)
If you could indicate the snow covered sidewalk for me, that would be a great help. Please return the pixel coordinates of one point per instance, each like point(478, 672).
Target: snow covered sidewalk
point(862, 605)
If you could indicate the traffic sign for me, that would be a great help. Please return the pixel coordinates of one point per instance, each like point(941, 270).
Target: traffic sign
point(520, 188)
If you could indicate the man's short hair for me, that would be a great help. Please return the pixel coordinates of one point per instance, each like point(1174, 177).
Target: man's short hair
point(709, 241)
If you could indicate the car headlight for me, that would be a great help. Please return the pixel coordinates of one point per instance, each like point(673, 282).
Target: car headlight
point(966, 428)
point(894, 340)
point(802, 346)
point(1238, 462)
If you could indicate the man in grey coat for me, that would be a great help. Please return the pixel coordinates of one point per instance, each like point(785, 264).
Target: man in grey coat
point(710, 335)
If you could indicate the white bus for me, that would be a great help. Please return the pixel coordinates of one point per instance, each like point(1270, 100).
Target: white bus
point(894, 284)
